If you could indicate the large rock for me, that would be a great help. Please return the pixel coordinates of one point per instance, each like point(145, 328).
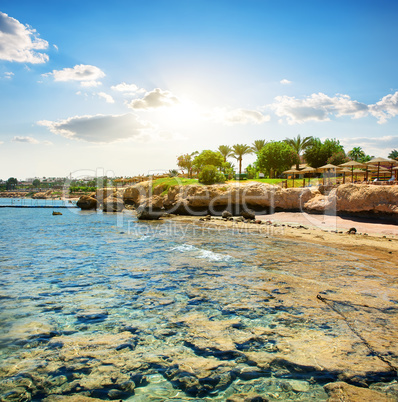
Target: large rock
point(85, 202)
point(148, 213)
point(113, 204)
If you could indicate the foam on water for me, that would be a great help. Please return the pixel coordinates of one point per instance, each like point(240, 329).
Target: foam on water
point(203, 253)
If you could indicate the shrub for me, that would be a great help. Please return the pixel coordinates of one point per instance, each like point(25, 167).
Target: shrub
point(210, 175)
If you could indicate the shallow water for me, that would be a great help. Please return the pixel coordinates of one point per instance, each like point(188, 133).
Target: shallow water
point(106, 306)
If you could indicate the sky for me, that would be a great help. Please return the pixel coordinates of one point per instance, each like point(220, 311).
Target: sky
point(125, 87)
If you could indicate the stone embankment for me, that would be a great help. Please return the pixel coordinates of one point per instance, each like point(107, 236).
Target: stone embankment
point(346, 199)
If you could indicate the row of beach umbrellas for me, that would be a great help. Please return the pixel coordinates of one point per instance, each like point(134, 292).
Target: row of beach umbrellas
point(371, 166)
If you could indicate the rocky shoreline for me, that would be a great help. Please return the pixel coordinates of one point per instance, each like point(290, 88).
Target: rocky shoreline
point(196, 200)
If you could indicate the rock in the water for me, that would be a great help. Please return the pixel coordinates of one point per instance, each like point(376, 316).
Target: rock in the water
point(148, 213)
point(248, 214)
point(341, 391)
point(249, 397)
point(352, 231)
point(57, 213)
point(226, 214)
point(113, 204)
point(85, 202)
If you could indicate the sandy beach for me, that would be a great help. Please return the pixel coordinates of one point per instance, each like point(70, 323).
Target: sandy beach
point(373, 237)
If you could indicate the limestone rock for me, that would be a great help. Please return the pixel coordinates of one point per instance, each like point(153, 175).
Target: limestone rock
point(341, 391)
point(85, 202)
point(113, 204)
point(148, 213)
point(248, 214)
point(226, 214)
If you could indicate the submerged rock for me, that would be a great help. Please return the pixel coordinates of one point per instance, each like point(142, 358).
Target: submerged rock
point(341, 391)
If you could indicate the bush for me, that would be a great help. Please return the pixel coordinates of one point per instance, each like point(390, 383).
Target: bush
point(210, 175)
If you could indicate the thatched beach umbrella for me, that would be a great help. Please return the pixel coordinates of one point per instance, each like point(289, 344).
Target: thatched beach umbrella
point(384, 161)
point(291, 171)
point(352, 164)
point(344, 171)
point(307, 169)
point(328, 168)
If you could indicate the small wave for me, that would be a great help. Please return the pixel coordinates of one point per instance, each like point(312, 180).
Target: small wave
point(203, 254)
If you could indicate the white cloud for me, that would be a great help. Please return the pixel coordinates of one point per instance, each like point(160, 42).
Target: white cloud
point(108, 98)
point(318, 107)
point(238, 116)
point(285, 82)
point(8, 75)
point(20, 43)
point(386, 108)
point(154, 99)
point(377, 146)
point(99, 128)
point(29, 140)
point(131, 88)
point(1, 142)
point(56, 47)
point(87, 75)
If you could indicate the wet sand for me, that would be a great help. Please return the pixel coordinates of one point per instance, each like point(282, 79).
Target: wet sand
point(375, 238)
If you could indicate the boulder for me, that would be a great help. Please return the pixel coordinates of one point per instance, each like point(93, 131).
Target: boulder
point(226, 215)
point(148, 213)
point(113, 204)
point(248, 214)
point(85, 202)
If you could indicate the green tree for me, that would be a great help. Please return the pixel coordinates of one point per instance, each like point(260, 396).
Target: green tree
point(252, 171)
point(36, 183)
point(208, 157)
point(276, 157)
point(299, 145)
point(338, 158)
point(318, 153)
point(225, 151)
point(356, 154)
point(185, 162)
point(239, 151)
point(11, 183)
point(393, 154)
point(258, 145)
point(210, 175)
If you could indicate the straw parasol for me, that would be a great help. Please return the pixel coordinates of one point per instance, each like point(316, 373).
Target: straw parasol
point(384, 161)
point(352, 164)
point(328, 167)
point(344, 171)
point(307, 169)
point(291, 171)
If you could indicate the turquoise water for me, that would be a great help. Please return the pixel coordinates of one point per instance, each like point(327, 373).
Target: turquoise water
point(106, 306)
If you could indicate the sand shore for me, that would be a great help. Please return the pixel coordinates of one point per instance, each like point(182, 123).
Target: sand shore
point(373, 237)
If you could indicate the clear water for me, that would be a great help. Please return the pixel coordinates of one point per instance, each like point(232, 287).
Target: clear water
point(106, 306)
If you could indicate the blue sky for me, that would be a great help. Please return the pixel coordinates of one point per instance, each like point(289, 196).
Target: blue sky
point(128, 86)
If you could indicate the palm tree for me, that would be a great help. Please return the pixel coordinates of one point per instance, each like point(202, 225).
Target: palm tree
point(238, 151)
point(299, 144)
point(356, 153)
point(225, 151)
point(258, 145)
point(393, 154)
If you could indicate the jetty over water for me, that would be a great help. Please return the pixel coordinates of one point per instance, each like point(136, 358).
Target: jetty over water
point(38, 203)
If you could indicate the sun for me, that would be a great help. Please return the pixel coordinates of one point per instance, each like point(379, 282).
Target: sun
point(181, 115)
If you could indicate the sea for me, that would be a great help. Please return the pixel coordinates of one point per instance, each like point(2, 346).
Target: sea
point(105, 306)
